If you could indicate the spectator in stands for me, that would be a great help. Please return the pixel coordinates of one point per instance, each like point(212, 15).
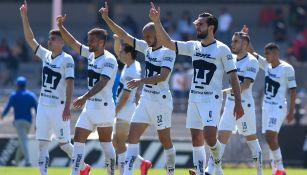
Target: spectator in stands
point(20, 50)
point(280, 26)
point(23, 101)
point(185, 27)
point(298, 14)
point(168, 21)
point(130, 25)
point(266, 15)
point(299, 46)
point(225, 21)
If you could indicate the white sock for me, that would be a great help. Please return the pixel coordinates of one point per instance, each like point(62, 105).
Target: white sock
point(110, 156)
point(273, 166)
point(216, 152)
point(43, 159)
point(68, 149)
point(131, 155)
point(210, 167)
point(77, 158)
point(170, 156)
point(278, 159)
point(256, 154)
point(121, 163)
point(223, 146)
point(199, 159)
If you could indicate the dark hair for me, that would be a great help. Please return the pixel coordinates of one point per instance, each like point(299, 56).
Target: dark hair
point(271, 46)
point(120, 65)
point(129, 49)
point(55, 32)
point(243, 36)
point(101, 34)
point(211, 20)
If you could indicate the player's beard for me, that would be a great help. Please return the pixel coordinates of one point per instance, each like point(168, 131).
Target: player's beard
point(202, 35)
point(154, 43)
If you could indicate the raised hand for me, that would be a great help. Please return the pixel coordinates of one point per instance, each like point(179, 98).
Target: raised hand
point(134, 83)
point(104, 11)
point(154, 13)
point(244, 29)
point(60, 20)
point(24, 9)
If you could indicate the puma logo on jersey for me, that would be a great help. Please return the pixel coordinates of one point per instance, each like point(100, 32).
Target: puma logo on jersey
point(153, 59)
point(198, 54)
point(94, 66)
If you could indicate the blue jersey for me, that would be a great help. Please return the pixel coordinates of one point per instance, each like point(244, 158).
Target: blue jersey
point(22, 101)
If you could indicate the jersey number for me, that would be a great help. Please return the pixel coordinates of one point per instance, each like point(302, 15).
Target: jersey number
point(203, 73)
point(51, 79)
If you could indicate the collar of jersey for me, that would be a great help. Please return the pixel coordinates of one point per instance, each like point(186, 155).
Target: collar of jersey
point(56, 55)
point(156, 49)
point(99, 55)
point(242, 58)
point(208, 44)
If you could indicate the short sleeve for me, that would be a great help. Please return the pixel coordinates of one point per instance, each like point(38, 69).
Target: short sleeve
point(290, 75)
point(69, 68)
point(251, 70)
point(42, 52)
point(262, 62)
point(168, 60)
point(84, 51)
point(109, 67)
point(227, 60)
point(140, 45)
point(185, 48)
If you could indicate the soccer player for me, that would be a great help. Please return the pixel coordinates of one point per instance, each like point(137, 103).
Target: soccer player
point(210, 59)
point(247, 68)
point(126, 103)
point(279, 79)
point(156, 102)
point(99, 110)
point(53, 112)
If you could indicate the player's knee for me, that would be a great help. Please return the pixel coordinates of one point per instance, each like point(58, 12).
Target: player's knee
point(166, 141)
point(132, 138)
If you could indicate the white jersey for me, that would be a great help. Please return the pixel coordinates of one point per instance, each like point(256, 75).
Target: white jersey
point(103, 65)
point(55, 71)
point(129, 72)
point(247, 68)
point(209, 64)
point(155, 60)
point(277, 81)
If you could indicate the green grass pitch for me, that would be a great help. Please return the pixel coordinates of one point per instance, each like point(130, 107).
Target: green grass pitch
point(97, 171)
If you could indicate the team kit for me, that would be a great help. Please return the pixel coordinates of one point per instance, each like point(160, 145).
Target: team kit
point(120, 126)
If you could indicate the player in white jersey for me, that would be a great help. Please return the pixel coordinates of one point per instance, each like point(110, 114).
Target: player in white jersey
point(156, 103)
point(99, 110)
point(126, 103)
point(247, 68)
point(279, 79)
point(210, 59)
point(53, 113)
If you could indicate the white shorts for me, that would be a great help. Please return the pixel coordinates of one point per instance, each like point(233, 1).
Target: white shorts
point(273, 117)
point(49, 122)
point(203, 114)
point(158, 114)
point(126, 112)
point(246, 125)
point(90, 119)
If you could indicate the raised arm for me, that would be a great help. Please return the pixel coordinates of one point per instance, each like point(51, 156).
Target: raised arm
point(162, 36)
point(238, 110)
point(126, 37)
point(117, 45)
point(29, 36)
point(67, 37)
